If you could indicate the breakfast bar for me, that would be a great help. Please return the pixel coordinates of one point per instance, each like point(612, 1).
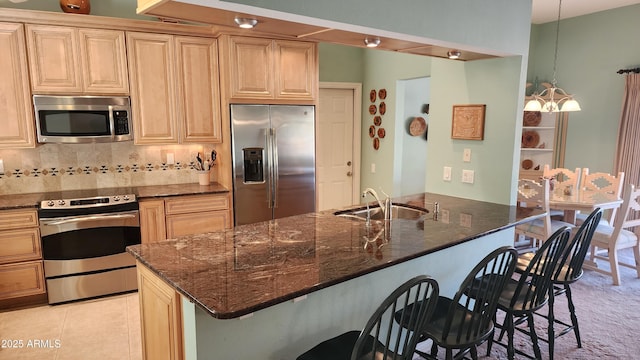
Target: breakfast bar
point(272, 289)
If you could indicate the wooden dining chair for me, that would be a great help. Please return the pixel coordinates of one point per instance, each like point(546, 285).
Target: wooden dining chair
point(601, 182)
point(533, 194)
point(618, 237)
point(562, 179)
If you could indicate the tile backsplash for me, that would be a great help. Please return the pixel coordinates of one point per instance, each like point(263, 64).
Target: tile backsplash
point(56, 167)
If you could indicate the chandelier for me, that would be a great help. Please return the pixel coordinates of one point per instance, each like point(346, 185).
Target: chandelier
point(553, 98)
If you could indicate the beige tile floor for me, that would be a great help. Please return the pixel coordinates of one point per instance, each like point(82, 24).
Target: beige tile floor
point(107, 328)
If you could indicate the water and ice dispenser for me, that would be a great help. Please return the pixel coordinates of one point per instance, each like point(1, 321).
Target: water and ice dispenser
point(253, 164)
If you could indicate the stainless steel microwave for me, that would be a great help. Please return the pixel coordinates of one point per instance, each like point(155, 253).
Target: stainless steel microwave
point(82, 119)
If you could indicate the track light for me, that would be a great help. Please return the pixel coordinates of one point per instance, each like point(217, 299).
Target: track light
point(246, 23)
point(453, 54)
point(372, 42)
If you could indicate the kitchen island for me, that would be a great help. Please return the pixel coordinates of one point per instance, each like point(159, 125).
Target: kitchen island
point(271, 290)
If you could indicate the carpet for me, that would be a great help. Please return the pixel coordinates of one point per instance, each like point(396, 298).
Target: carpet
point(608, 315)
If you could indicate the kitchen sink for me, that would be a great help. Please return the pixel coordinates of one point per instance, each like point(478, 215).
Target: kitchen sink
point(398, 211)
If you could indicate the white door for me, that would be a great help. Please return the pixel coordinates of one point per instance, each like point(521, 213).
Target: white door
point(337, 154)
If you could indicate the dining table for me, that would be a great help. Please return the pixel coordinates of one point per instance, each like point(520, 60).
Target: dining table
point(574, 201)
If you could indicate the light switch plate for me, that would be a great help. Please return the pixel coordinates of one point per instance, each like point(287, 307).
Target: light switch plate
point(446, 174)
point(373, 168)
point(466, 155)
point(467, 176)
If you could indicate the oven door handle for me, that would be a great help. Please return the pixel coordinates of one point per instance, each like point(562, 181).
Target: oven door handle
point(87, 218)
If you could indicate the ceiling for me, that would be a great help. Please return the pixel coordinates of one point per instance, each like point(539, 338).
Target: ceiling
point(547, 10)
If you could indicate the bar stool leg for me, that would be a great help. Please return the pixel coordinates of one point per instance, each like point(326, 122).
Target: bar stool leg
point(572, 311)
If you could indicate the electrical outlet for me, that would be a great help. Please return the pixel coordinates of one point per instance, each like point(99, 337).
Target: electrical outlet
point(467, 176)
point(444, 218)
point(373, 168)
point(170, 158)
point(1, 167)
point(466, 155)
point(446, 175)
point(465, 220)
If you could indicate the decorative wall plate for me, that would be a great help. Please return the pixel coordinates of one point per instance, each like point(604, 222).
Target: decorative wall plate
point(377, 120)
point(527, 164)
point(532, 118)
point(381, 133)
point(372, 109)
point(382, 94)
point(372, 95)
point(383, 108)
point(376, 143)
point(372, 131)
point(530, 139)
point(418, 126)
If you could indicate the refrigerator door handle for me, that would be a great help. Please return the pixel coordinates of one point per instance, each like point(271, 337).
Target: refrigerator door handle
point(276, 174)
point(269, 147)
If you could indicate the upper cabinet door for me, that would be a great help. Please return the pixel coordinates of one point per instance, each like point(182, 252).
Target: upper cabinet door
point(198, 80)
point(251, 68)
point(296, 72)
point(53, 58)
point(68, 60)
point(16, 121)
point(153, 88)
point(104, 61)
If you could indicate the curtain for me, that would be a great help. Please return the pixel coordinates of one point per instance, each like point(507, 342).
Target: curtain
point(628, 146)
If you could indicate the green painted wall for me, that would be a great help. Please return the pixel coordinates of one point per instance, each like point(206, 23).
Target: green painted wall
point(341, 63)
point(591, 49)
point(382, 70)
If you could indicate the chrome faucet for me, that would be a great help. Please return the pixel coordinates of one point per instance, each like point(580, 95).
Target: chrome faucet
point(385, 207)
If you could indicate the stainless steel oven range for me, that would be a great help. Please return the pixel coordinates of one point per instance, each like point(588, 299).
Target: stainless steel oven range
point(83, 246)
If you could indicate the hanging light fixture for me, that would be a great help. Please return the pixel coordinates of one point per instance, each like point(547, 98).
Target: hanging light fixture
point(553, 98)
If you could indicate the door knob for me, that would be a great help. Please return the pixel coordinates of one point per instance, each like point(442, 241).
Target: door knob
point(349, 173)
point(349, 163)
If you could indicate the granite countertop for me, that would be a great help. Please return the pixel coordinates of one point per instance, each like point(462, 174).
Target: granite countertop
point(250, 267)
point(32, 200)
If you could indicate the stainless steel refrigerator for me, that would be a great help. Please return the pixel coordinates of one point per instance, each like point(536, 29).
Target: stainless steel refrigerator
point(273, 161)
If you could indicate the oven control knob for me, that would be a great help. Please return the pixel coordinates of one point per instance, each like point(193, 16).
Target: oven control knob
point(61, 202)
point(51, 203)
point(125, 198)
point(116, 198)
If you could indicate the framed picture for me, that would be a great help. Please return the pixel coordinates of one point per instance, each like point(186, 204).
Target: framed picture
point(468, 122)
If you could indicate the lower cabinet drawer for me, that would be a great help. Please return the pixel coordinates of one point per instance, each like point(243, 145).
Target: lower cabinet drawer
point(197, 223)
point(22, 279)
point(19, 245)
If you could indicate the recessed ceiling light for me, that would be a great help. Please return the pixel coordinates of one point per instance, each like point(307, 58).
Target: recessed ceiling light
point(246, 23)
point(453, 54)
point(372, 42)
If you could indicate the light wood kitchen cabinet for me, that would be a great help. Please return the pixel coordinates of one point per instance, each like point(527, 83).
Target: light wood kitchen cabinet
point(199, 88)
point(272, 69)
point(152, 221)
point(160, 317)
point(153, 89)
point(190, 215)
point(174, 89)
point(68, 60)
point(16, 122)
point(177, 216)
point(21, 268)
